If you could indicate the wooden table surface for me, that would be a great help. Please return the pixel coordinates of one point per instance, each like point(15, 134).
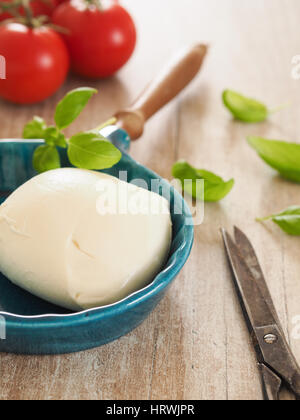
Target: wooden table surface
point(195, 345)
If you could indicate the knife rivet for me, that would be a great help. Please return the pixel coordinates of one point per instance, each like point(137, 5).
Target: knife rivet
point(270, 338)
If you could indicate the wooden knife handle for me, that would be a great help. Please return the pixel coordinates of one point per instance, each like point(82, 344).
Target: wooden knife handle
point(174, 78)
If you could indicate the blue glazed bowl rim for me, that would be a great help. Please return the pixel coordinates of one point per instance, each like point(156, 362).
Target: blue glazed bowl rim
point(161, 281)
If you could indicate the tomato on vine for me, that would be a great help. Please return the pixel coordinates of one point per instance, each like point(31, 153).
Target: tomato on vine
point(100, 38)
point(36, 58)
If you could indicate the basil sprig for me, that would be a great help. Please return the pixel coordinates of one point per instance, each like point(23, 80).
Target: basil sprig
point(288, 220)
point(245, 109)
point(281, 156)
point(88, 150)
point(215, 188)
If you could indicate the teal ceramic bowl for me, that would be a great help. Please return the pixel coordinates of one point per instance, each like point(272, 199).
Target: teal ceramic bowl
point(29, 325)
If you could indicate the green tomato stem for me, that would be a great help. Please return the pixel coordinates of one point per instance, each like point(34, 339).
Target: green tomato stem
point(15, 8)
point(28, 12)
point(96, 3)
point(280, 108)
point(263, 219)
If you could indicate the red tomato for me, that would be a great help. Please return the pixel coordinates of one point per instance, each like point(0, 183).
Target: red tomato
point(100, 41)
point(39, 7)
point(37, 63)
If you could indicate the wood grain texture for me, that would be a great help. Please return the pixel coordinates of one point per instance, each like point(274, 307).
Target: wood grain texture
point(195, 345)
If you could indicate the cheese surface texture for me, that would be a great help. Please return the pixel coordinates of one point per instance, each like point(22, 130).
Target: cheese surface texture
point(82, 239)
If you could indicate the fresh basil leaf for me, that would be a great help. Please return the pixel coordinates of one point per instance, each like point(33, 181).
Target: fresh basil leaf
point(46, 158)
point(245, 109)
point(71, 106)
point(35, 129)
point(281, 156)
point(215, 188)
point(92, 151)
point(54, 137)
point(288, 220)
